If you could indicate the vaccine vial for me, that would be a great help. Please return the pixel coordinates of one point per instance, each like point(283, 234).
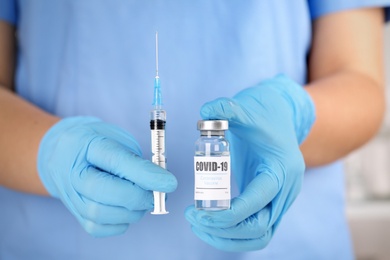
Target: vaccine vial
point(212, 166)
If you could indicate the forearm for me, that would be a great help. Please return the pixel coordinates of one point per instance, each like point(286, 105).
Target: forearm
point(346, 83)
point(349, 107)
point(22, 126)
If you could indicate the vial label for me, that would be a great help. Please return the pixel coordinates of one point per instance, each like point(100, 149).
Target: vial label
point(212, 177)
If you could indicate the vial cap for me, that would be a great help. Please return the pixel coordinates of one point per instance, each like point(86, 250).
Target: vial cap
point(213, 125)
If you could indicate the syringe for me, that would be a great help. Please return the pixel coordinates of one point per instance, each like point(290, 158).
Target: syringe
point(157, 127)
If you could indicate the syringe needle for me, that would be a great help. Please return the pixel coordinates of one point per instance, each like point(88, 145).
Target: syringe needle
point(157, 102)
point(156, 54)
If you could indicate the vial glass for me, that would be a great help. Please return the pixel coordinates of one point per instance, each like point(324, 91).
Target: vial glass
point(212, 166)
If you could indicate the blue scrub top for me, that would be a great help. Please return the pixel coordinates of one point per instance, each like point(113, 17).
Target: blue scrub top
point(97, 58)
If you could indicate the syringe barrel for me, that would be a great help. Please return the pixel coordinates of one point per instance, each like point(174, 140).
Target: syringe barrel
point(157, 129)
point(158, 147)
point(157, 114)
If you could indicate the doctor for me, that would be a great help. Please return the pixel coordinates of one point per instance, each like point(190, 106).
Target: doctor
point(76, 89)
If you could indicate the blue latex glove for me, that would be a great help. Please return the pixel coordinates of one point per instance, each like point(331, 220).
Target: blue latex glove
point(96, 170)
point(266, 125)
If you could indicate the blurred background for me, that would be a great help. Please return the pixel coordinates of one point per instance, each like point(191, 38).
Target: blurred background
point(368, 187)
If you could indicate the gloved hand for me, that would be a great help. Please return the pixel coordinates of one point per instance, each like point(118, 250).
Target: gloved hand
point(96, 170)
point(266, 125)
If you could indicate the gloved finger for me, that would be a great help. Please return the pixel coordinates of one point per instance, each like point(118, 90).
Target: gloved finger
point(97, 230)
point(224, 108)
point(121, 136)
point(234, 245)
point(103, 230)
point(259, 192)
point(244, 118)
point(255, 226)
point(237, 114)
point(112, 157)
point(104, 214)
point(109, 189)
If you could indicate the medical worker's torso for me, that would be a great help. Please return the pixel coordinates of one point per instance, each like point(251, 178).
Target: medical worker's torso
point(97, 58)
